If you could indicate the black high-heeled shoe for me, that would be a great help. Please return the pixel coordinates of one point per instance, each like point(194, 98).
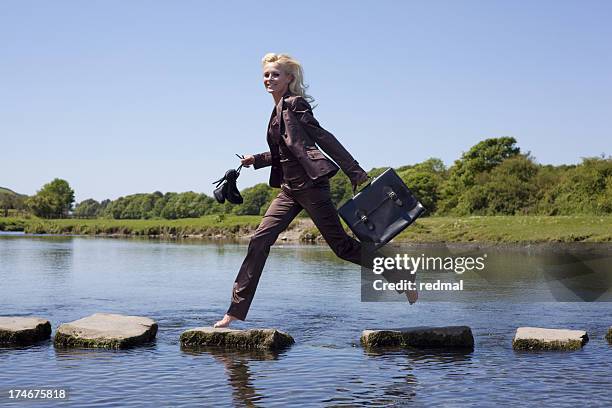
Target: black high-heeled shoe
point(227, 189)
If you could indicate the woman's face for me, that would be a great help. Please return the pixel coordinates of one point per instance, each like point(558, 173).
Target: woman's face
point(275, 79)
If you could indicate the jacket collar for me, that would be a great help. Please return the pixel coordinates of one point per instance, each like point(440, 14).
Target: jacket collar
point(279, 105)
point(278, 109)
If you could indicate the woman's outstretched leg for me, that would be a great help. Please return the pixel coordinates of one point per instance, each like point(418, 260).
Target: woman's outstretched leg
point(279, 215)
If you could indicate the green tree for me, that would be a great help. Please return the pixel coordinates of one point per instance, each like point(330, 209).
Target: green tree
point(507, 189)
point(53, 200)
point(186, 205)
point(340, 188)
point(114, 208)
point(139, 206)
point(89, 208)
point(425, 180)
point(9, 201)
point(482, 157)
point(582, 189)
point(256, 200)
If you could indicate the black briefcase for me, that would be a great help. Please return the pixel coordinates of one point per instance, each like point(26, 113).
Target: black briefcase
point(381, 210)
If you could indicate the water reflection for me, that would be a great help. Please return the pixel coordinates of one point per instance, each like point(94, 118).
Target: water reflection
point(6, 351)
point(57, 260)
point(423, 356)
point(410, 362)
point(67, 354)
point(237, 368)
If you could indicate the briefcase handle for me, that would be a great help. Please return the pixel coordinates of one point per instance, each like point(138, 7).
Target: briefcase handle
point(370, 179)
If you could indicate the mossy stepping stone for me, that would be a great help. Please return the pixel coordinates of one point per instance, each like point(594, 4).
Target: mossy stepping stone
point(252, 339)
point(537, 338)
point(451, 337)
point(106, 330)
point(23, 331)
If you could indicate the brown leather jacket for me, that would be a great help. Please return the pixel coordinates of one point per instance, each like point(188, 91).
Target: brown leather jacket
point(302, 135)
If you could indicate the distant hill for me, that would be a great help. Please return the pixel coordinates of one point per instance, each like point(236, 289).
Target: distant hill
point(9, 191)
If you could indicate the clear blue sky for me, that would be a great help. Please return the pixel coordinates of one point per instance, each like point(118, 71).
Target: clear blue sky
point(120, 97)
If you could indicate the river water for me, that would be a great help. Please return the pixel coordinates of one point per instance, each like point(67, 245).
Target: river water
point(305, 291)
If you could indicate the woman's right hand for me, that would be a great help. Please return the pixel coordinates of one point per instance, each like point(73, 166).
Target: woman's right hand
point(248, 160)
point(363, 177)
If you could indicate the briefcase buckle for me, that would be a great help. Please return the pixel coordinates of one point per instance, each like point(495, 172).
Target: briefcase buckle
point(367, 222)
point(395, 199)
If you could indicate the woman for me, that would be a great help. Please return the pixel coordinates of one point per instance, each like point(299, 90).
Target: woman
point(301, 171)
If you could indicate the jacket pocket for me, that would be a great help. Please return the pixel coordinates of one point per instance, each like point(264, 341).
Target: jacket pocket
point(315, 155)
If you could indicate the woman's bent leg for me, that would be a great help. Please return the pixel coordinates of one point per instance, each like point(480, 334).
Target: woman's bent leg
point(317, 202)
point(279, 215)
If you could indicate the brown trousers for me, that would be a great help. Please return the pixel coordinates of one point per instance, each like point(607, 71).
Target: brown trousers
point(315, 198)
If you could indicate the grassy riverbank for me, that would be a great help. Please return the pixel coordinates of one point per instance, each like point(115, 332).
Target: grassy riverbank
point(204, 226)
point(498, 229)
point(511, 229)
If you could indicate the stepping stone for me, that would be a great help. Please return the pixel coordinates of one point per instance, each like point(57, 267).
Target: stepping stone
point(23, 331)
point(106, 330)
point(536, 338)
point(456, 337)
point(609, 335)
point(252, 339)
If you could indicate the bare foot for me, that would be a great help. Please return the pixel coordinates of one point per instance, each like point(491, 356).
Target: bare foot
point(412, 296)
point(225, 322)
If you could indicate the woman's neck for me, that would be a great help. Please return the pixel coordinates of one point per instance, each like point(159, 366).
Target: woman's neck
point(278, 95)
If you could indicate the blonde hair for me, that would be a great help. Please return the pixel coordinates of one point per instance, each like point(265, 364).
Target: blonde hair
point(293, 67)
